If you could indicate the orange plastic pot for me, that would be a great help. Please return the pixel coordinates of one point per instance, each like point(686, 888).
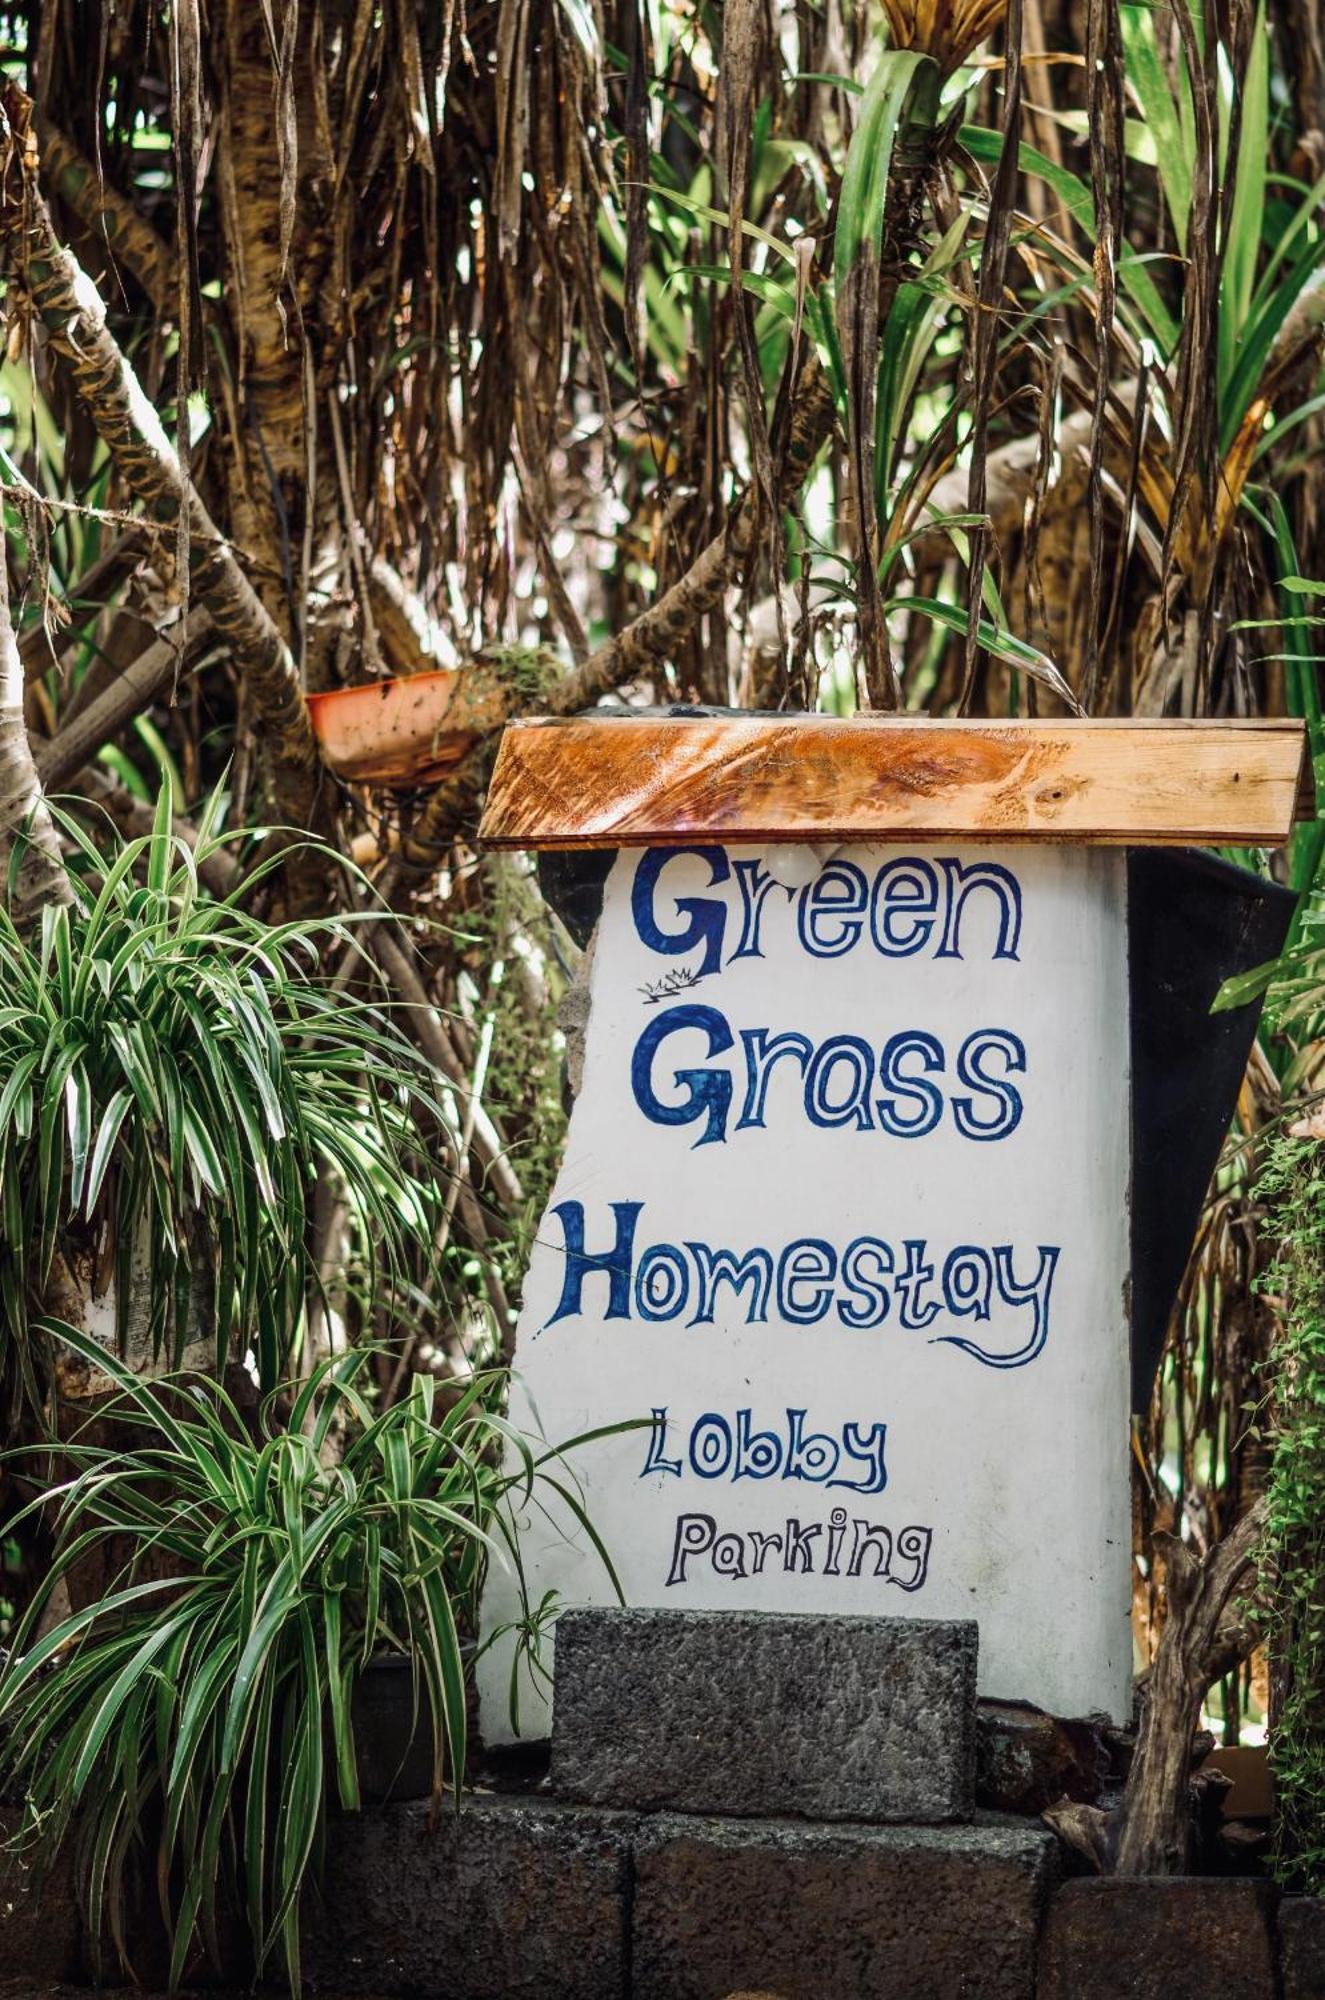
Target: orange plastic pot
point(390, 732)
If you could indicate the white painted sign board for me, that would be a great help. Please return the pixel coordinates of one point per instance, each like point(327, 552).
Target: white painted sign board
point(844, 1214)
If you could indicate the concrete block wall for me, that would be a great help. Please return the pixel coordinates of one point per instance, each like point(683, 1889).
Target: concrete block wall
point(738, 1802)
point(782, 1806)
point(775, 1806)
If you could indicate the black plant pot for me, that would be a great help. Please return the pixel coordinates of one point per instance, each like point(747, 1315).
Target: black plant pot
point(392, 1736)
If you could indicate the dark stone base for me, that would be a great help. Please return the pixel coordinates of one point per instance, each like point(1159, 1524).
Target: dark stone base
point(804, 1912)
point(766, 1713)
point(1192, 1938)
point(512, 1899)
point(521, 1897)
point(23, 1989)
point(41, 1937)
point(1026, 1760)
point(1302, 1947)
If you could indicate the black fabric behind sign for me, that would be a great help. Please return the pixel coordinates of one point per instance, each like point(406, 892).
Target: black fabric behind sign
point(1193, 921)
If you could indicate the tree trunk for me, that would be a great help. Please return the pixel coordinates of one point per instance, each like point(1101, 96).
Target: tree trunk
point(1151, 1834)
point(29, 845)
point(286, 499)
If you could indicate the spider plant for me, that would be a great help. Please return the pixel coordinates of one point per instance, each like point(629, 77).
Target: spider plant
point(203, 1720)
point(174, 1076)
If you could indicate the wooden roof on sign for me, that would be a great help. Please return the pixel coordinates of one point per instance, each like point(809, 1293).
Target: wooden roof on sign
point(643, 780)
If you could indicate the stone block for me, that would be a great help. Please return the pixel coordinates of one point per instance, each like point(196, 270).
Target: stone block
point(1026, 1760)
point(515, 1898)
point(41, 1936)
point(23, 1989)
point(1150, 1938)
point(804, 1912)
point(760, 1713)
point(1302, 1947)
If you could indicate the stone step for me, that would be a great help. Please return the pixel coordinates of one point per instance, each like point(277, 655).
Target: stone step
point(1302, 1946)
point(530, 1899)
point(852, 1912)
point(24, 1989)
point(1172, 1938)
point(524, 1898)
point(754, 1713)
point(514, 1898)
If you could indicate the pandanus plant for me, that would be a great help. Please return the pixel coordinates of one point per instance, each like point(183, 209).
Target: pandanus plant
point(947, 31)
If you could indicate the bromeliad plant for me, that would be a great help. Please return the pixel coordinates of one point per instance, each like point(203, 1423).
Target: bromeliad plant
point(201, 1721)
point(174, 1076)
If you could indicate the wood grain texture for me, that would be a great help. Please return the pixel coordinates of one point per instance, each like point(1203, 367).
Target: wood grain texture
point(648, 780)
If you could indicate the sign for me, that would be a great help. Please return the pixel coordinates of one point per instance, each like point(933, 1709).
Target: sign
point(843, 1216)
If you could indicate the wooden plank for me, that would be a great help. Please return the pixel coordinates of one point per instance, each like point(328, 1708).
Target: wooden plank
point(650, 780)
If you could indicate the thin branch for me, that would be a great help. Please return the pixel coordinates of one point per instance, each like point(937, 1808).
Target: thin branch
point(131, 692)
point(657, 632)
point(109, 215)
point(430, 1030)
point(647, 640)
point(403, 625)
point(354, 536)
point(984, 358)
point(43, 646)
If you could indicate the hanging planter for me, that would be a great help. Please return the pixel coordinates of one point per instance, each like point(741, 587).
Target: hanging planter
point(391, 732)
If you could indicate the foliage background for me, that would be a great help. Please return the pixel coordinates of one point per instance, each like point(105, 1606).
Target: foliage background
point(958, 355)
